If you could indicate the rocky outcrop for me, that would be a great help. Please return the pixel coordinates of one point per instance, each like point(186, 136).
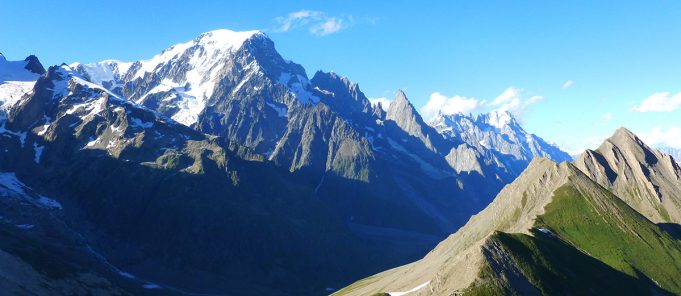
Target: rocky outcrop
point(647, 180)
point(403, 113)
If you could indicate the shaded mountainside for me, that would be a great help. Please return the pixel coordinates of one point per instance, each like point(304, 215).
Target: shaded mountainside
point(553, 230)
point(237, 86)
point(171, 205)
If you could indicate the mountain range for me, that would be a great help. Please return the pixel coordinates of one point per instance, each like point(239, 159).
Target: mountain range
point(218, 167)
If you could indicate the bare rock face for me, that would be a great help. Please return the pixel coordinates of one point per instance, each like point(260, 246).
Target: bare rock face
point(404, 114)
point(647, 180)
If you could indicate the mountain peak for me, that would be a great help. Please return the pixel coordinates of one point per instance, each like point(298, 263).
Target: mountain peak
point(213, 44)
point(500, 119)
point(623, 132)
point(624, 160)
point(401, 97)
point(34, 65)
point(28, 69)
point(227, 38)
point(321, 77)
point(625, 139)
point(401, 109)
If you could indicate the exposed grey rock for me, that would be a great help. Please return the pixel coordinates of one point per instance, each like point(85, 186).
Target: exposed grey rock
point(498, 131)
point(647, 180)
point(402, 112)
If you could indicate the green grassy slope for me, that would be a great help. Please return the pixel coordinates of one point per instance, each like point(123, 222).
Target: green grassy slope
point(621, 238)
point(598, 246)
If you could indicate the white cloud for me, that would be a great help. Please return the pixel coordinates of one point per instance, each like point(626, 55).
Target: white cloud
point(507, 96)
point(449, 105)
point(607, 117)
point(671, 136)
point(567, 84)
point(659, 102)
point(385, 103)
point(317, 23)
point(510, 100)
point(590, 142)
point(330, 26)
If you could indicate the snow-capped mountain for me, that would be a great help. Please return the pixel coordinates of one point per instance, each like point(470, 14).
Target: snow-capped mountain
point(237, 86)
point(184, 78)
point(500, 132)
point(16, 79)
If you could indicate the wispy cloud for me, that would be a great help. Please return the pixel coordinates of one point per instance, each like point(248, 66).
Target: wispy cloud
point(511, 100)
point(318, 23)
point(589, 142)
point(659, 136)
point(385, 102)
point(450, 105)
point(659, 102)
point(568, 84)
point(606, 117)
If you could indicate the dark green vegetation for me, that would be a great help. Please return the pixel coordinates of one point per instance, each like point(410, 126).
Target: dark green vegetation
point(489, 283)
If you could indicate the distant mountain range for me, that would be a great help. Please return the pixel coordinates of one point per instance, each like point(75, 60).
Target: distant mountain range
point(606, 224)
point(499, 133)
point(218, 166)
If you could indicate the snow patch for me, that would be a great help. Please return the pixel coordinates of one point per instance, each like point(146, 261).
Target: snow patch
point(25, 226)
point(151, 286)
point(545, 230)
point(281, 111)
point(11, 92)
point(136, 122)
point(50, 203)
point(38, 152)
point(298, 85)
point(204, 58)
point(104, 71)
point(11, 186)
point(92, 142)
point(15, 71)
point(419, 287)
point(127, 275)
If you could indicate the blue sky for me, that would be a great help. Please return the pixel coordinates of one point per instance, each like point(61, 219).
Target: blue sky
point(572, 71)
